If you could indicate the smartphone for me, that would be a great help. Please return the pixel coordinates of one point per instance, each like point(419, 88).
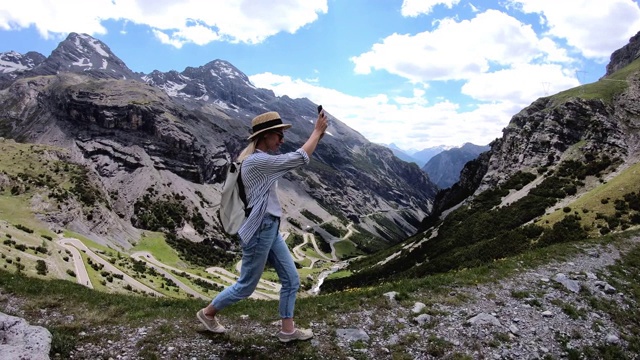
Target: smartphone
point(319, 108)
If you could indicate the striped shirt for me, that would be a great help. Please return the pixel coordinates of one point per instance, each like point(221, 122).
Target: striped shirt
point(260, 172)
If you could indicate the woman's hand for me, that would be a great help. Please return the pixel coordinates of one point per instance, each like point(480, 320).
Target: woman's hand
point(321, 123)
point(318, 132)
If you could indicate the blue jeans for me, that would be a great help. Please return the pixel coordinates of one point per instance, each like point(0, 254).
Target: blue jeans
point(265, 245)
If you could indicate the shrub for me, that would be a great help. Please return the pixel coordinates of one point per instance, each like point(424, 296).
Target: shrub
point(333, 230)
point(41, 267)
point(311, 216)
point(294, 222)
point(158, 215)
point(23, 228)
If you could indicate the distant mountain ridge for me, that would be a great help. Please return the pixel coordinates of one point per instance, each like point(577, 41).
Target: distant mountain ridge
point(444, 168)
point(420, 157)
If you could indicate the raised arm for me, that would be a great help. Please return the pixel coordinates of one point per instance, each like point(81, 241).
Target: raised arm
point(318, 131)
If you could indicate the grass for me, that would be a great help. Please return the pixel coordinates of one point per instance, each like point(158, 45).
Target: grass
point(340, 274)
point(90, 308)
point(309, 251)
point(154, 243)
point(346, 249)
point(625, 182)
point(86, 241)
point(16, 210)
point(304, 262)
point(605, 89)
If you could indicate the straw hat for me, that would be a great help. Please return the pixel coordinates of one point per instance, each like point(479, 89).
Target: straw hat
point(265, 122)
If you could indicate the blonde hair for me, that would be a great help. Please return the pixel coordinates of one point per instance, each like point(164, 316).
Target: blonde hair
point(250, 149)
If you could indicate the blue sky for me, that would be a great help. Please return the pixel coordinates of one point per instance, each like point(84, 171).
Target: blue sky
point(417, 73)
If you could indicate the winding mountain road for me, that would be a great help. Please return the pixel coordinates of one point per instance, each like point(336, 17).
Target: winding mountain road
point(225, 275)
point(82, 275)
point(160, 267)
point(72, 244)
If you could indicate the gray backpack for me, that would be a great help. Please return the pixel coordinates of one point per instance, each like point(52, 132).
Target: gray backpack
point(234, 208)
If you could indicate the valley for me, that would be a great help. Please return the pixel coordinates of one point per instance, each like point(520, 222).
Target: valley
point(141, 272)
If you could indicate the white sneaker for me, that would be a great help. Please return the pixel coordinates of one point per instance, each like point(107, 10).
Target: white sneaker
point(211, 324)
point(298, 334)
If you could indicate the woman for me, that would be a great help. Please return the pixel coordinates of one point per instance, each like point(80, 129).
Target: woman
point(260, 236)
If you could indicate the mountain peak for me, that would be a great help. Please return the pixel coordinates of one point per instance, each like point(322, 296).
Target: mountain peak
point(81, 53)
point(222, 67)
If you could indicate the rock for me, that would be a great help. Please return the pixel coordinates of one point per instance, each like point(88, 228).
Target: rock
point(593, 253)
point(484, 318)
point(608, 289)
point(19, 340)
point(612, 339)
point(352, 334)
point(422, 319)
point(418, 307)
point(571, 285)
point(391, 295)
point(514, 329)
point(547, 313)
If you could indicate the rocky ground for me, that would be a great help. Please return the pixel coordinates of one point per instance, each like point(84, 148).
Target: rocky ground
point(541, 313)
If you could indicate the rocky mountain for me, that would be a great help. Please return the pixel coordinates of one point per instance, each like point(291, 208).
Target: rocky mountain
point(401, 154)
point(423, 156)
point(624, 56)
point(159, 141)
point(566, 168)
point(444, 168)
point(420, 157)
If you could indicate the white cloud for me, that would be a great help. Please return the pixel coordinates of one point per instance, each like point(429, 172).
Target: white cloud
point(52, 18)
point(413, 122)
point(520, 84)
point(459, 50)
point(173, 22)
point(503, 63)
point(593, 27)
point(413, 8)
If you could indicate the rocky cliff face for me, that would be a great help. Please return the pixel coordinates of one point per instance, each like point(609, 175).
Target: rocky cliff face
point(624, 56)
point(173, 135)
point(546, 132)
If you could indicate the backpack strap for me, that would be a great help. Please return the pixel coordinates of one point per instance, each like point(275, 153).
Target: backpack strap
point(243, 194)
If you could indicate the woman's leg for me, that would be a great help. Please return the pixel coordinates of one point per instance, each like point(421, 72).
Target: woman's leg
point(281, 259)
point(254, 258)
